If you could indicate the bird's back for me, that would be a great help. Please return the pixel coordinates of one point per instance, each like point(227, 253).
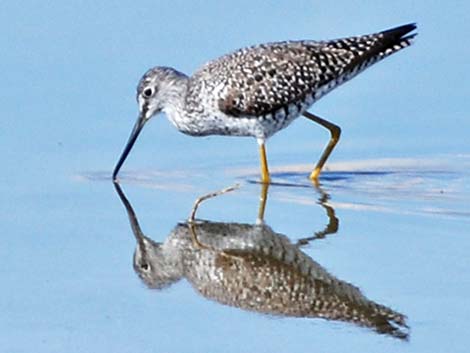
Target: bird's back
point(289, 76)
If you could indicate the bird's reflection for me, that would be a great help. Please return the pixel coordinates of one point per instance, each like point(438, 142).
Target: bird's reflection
point(254, 268)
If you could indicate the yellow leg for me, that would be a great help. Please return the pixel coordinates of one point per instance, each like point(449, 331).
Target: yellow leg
point(262, 203)
point(265, 179)
point(335, 132)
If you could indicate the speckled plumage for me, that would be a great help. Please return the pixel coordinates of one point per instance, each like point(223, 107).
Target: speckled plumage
point(250, 266)
point(259, 90)
point(256, 269)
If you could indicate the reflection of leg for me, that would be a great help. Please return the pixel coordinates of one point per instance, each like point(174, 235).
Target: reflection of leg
point(335, 132)
point(262, 203)
point(196, 243)
point(192, 217)
point(208, 196)
point(333, 222)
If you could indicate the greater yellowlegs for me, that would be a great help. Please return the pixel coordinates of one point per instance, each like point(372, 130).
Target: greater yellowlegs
point(252, 267)
point(260, 90)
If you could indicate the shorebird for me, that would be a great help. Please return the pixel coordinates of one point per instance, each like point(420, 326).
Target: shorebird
point(252, 267)
point(259, 90)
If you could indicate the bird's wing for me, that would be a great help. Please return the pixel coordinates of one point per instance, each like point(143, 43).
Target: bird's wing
point(260, 80)
point(263, 79)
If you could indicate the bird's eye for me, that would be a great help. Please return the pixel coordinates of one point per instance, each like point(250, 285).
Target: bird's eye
point(148, 92)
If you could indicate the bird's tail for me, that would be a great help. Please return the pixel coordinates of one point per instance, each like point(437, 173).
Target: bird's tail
point(369, 49)
point(397, 38)
point(347, 303)
point(375, 47)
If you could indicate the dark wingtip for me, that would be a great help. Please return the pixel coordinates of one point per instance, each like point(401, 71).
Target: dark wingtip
point(400, 31)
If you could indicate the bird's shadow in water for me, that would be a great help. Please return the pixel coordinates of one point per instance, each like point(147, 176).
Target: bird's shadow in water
point(252, 267)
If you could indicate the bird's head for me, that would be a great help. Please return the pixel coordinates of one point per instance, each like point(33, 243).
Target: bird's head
point(156, 89)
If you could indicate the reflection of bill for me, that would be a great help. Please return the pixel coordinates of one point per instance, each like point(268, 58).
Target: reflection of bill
point(251, 267)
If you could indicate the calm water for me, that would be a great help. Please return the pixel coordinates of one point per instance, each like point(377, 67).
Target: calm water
point(78, 278)
point(332, 269)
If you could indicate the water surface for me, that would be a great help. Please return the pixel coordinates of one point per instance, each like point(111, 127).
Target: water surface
point(388, 227)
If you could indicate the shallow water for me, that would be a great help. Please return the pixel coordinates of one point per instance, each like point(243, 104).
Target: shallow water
point(390, 232)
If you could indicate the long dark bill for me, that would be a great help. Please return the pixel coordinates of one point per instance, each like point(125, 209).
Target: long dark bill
point(132, 138)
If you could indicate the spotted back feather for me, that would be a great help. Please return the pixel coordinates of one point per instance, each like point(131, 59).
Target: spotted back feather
point(263, 79)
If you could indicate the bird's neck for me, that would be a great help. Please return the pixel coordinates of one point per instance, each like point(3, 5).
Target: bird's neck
point(173, 96)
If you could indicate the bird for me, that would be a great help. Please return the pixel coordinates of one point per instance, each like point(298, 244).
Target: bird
point(254, 268)
point(259, 90)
